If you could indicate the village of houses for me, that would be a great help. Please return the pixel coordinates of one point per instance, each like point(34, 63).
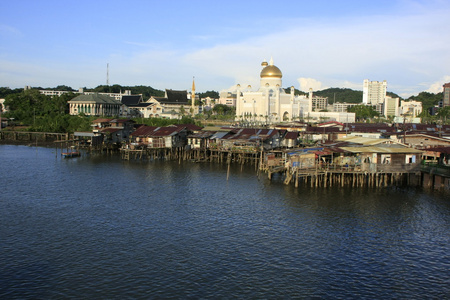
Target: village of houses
point(287, 135)
point(279, 133)
point(325, 154)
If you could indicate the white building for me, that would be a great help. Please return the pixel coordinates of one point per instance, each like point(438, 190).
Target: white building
point(227, 98)
point(374, 92)
point(390, 107)
point(343, 106)
point(319, 103)
point(271, 104)
point(411, 108)
point(117, 96)
point(2, 105)
point(95, 105)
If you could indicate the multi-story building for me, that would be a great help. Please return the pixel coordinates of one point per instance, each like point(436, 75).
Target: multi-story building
point(446, 98)
point(343, 106)
point(410, 108)
point(319, 103)
point(390, 107)
point(227, 98)
point(374, 92)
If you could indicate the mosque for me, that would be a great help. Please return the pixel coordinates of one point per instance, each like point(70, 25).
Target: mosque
point(271, 104)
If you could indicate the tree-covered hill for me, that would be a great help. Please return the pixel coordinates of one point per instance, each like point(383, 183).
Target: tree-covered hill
point(427, 99)
point(4, 91)
point(334, 95)
point(146, 91)
point(341, 95)
point(211, 94)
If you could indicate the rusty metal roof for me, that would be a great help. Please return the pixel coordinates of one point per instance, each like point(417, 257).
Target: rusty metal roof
point(291, 135)
point(380, 149)
point(364, 141)
point(155, 131)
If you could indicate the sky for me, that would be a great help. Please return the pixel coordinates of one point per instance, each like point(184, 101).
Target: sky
point(316, 44)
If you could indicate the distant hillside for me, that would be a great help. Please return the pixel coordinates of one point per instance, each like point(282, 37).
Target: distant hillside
point(146, 91)
point(333, 94)
point(341, 95)
point(427, 99)
point(345, 95)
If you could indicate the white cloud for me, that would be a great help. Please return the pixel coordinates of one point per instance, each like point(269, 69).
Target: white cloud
point(437, 86)
point(309, 83)
point(406, 48)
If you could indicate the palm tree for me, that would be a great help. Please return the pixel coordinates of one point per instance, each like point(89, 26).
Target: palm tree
point(182, 110)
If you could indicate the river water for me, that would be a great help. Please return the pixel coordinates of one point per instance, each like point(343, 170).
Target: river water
point(102, 228)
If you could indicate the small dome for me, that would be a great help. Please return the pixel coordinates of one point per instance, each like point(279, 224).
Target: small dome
point(271, 71)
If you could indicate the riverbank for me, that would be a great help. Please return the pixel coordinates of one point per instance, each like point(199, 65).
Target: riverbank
point(47, 144)
point(294, 167)
point(38, 139)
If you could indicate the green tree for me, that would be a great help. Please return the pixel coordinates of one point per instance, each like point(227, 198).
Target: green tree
point(145, 91)
point(63, 88)
point(341, 95)
point(428, 99)
point(30, 107)
point(363, 112)
point(4, 91)
point(211, 94)
point(444, 114)
point(182, 110)
point(426, 117)
point(219, 109)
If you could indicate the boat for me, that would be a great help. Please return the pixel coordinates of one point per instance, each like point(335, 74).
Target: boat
point(71, 154)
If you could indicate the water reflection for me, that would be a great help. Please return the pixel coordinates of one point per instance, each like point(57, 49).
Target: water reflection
point(102, 227)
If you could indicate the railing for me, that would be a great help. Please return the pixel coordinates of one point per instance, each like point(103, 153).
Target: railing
point(364, 167)
point(435, 168)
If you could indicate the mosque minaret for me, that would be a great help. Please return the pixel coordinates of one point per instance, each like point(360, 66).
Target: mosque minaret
point(193, 97)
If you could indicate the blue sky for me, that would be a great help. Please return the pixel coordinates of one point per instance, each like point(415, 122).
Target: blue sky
point(164, 44)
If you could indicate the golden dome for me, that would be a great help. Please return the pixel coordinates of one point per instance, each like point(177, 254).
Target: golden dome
point(271, 71)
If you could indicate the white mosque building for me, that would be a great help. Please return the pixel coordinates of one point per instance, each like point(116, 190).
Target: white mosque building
point(271, 104)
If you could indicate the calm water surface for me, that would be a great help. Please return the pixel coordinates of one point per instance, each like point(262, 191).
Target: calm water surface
point(102, 228)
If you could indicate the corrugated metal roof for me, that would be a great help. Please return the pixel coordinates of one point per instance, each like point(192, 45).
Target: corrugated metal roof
point(143, 130)
point(219, 135)
point(291, 135)
point(375, 149)
point(305, 150)
point(110, 129)
point(215, 129)
point(363, 140)
point(95, 98)
point(81, 133)
point(155, 131)
point(101, 120)
point(202, 134)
